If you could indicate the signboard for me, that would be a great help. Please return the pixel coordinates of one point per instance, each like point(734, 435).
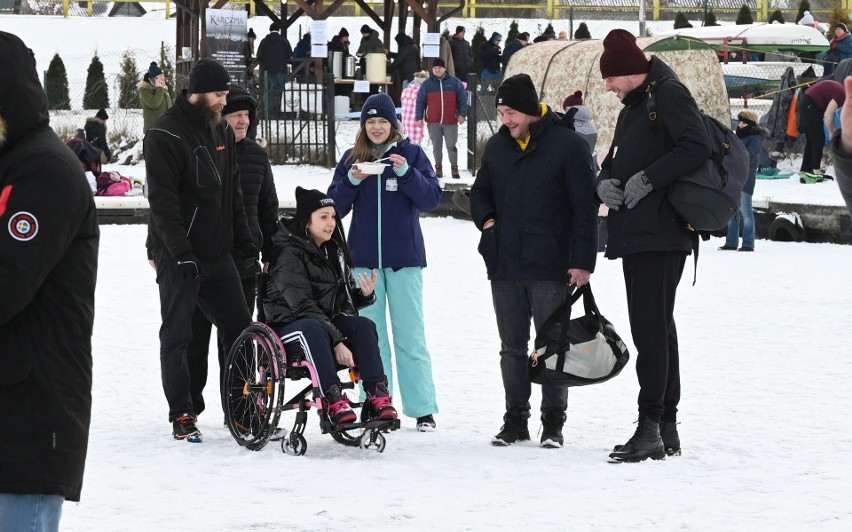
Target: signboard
point(319, 43)
point(432, 45)
point(227, 40)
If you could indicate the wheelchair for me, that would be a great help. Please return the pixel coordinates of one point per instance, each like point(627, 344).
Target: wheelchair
point(256, 370)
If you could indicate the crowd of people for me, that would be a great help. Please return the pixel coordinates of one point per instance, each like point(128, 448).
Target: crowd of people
point(214, 227)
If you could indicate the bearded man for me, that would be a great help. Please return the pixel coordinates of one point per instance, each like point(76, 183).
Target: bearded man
point(196, 219)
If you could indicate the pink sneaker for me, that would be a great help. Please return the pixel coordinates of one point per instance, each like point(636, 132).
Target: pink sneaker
point(379, 403)
point(337, 406)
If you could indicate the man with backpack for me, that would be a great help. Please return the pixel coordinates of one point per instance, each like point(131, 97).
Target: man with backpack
point(645, 158)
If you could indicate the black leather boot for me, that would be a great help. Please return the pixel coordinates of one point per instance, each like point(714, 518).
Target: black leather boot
point(671, 439)
point(645, 443)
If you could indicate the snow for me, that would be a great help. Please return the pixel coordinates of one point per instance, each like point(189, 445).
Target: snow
point(764, 417)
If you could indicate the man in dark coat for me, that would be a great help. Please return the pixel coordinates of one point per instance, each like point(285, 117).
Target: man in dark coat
point(406, 59)
point(273, 55)
point(96, 132)
point(196, 220)
point(520, 41)
point(644, 159)
point(261, 204)
point(49, 260)
point(534, 201)
point(462, 54)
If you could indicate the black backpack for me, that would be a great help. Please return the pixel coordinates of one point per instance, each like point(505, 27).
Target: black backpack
point(707, 198)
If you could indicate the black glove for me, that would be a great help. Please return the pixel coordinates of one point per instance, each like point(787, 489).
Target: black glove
point(610, 194)
point(248, 249)
point(637, 187)
point(187, 265)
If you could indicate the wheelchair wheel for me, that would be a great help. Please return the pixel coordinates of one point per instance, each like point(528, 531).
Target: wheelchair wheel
point(253, 387)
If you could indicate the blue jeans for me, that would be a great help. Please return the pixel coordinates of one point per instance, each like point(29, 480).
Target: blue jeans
point(515, 303)
point(744, 217)
point(30, 513)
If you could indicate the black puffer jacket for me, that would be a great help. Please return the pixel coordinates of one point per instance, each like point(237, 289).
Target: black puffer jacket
point(309, 282)
point(677, 144)
point(407, 59)
point(196, 203)
point(49, 260)
point(96, 132)
point(543, 201)
point(489, 56)
point(260, 198)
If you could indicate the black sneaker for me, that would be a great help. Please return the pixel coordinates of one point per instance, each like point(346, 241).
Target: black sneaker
point(426, 423)
point(183, 428)
point(551, 429)
point(514, 430)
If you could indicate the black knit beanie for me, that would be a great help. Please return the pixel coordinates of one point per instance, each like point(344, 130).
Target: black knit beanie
point(153, 71)
point(102, 114)
point(239, 100)
point(208, 75)
point(309, 200)
point(518, 92)
point(365, 29)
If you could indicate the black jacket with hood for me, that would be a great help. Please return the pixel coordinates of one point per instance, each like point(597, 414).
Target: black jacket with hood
point(669, 147)
point(196, 204)
point(407, 59)
point(543, 201)
point(48, 267)
point(307, 281)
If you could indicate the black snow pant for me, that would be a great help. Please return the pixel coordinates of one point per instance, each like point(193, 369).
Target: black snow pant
point(197, 351)
point(361, 339)
point(651, 280)
point(217, 292)
point(811, 124)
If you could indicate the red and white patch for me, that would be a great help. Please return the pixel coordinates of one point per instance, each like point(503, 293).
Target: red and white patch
point(23, 226)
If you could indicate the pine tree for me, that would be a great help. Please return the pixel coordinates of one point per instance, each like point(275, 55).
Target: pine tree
point(56, 85)
point(836, 16)
point(513, 32)
point(96, 95)
point(804, 5)
point(681, 21)
point(549, 29)
point(744, 15)
point(168, 69)
point(128, 95)
point(476, 44)
point(710, 19)
point(582, 32)
point(776, 16)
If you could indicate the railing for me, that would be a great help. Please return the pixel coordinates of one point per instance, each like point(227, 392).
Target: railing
point(551, 9)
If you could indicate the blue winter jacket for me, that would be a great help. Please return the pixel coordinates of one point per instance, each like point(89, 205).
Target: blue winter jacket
point(385, 230)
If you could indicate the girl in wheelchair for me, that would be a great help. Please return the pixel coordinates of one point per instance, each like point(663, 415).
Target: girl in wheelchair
point(310, 291)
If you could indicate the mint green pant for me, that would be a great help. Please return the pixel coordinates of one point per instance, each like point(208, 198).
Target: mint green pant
point(401, 293)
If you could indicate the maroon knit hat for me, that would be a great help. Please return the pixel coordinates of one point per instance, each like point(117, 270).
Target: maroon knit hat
point(621, 55)
point(573, 99)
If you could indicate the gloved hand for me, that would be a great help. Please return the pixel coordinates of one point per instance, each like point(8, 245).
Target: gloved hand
point(248, 249)
point(637, 187)
point(610, 194)
point(187, 265)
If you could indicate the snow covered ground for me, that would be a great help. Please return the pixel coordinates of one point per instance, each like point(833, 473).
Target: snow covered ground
point(764, 340)
point(764, 420)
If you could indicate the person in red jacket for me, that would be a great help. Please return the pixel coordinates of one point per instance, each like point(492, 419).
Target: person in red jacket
point(443, 103)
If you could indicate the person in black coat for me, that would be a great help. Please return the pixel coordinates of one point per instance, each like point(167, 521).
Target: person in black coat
point(196, 219)
point(261, 204)
point(462, 54)
point(273, 55)
point(49, 260)
point(406, 60)
point(539, 234)
point(644, 230)
point(489, 56)
point(520, 41)
point(311, 298)
point(96, 134)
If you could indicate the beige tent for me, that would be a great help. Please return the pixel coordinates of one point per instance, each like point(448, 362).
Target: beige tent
point(559, 68)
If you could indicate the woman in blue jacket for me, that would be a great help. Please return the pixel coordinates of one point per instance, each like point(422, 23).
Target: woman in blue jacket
point(385, 235)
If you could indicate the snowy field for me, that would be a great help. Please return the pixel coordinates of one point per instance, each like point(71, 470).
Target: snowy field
point(765, 392)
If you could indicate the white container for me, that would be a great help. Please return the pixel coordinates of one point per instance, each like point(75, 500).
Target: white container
point(377, 68)
point(306, 97)
point(341, 105)
point(371, 168)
